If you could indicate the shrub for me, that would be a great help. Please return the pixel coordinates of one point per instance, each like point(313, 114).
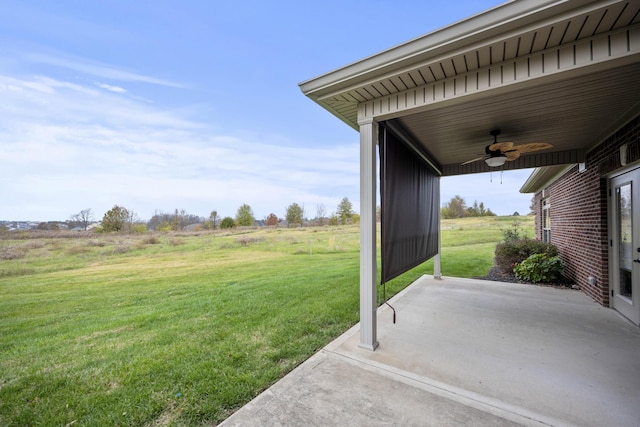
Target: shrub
point(514, 232)
point(77, 250)
point(12, 252)
point(150, 240)
point(539, 268)
point(33, 244)
point(510, 253)
point(227, 222)
point(176, 241)
point(138, 228)
point(246, 240)
point(122, 248)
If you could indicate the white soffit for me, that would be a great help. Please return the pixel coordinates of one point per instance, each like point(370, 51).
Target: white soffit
point(515, 29)
point(552, 71)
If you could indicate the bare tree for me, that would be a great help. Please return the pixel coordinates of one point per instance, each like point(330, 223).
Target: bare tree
point(214, 219)
point(132, 218)
point(179, 220)
point(84, 218)
point(321, 211)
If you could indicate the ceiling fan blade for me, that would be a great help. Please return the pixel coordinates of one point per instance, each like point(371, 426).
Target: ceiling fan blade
point(533, 146)
point(471, 161)
point(501, 146)
point(512, 155)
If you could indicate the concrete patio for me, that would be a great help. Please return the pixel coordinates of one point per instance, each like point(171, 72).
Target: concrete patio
point(468, 352)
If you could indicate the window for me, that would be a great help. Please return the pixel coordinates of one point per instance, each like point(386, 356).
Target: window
point(546, 221)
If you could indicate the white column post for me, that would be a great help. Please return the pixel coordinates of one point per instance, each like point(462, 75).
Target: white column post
point(437, 273)
point(368, 259)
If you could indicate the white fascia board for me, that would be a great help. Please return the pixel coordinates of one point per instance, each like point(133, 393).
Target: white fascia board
point(543, 177)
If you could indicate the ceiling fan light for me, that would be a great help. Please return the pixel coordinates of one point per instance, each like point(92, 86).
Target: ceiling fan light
point(496, 161)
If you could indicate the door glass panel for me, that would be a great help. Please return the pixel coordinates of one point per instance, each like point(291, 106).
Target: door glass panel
point(625, 234)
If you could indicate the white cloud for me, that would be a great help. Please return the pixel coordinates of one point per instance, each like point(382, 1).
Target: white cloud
point(46, 100)
point(67, 147)
point(111, 88)
point(97, 69)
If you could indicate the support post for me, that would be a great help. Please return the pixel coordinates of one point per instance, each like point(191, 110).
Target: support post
point(368, 259)
point(437, 273)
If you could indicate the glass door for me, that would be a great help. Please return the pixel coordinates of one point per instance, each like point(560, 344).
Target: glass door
point(625, 239)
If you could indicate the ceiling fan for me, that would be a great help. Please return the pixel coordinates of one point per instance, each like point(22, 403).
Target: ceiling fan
point(500, 152)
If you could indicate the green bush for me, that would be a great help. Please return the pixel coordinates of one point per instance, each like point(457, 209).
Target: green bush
point(138, 228)
point(539, 268)
point(512, 252)
point(227, 222)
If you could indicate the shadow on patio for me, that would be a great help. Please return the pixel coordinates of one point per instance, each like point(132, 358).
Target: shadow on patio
point(469, 352)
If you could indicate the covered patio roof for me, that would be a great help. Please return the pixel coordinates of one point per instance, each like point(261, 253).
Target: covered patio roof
point(560, 72)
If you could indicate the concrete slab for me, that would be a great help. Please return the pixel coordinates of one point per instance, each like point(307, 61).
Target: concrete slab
point(469, 352)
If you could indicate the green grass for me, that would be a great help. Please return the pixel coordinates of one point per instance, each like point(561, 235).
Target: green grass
point(183, 330)
point(467, 247)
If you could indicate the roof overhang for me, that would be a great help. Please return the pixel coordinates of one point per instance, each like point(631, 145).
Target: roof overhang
point(562, 72)
point(542, 177)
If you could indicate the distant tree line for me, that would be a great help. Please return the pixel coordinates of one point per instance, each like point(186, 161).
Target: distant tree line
point(121, 219)
point(457, 208)
point(176, 221)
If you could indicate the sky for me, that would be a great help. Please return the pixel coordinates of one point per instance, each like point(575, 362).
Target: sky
point(194, 104)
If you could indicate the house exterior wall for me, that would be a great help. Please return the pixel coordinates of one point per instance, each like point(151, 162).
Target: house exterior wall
point(579, 219)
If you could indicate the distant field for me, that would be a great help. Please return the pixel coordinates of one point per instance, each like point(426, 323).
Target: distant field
point(182, 329)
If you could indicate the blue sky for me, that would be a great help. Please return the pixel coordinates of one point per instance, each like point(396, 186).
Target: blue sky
point(195, 105)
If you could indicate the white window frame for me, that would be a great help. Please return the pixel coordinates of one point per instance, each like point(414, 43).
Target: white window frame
point(546, 220)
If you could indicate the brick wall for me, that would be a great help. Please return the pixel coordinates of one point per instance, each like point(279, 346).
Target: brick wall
point(579, 212)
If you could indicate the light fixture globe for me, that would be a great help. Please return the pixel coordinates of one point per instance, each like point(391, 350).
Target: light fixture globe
point(496, 161)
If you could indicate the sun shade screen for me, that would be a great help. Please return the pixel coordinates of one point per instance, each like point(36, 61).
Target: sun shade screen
point(409, 207)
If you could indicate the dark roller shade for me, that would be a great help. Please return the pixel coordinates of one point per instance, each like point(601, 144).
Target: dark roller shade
point(409, 193)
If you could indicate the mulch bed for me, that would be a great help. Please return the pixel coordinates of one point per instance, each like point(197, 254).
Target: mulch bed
point(498, 276)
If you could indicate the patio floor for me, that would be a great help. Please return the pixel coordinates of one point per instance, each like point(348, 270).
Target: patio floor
point(468, 352)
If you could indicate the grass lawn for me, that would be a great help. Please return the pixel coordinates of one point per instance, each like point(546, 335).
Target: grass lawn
point(182, 329)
